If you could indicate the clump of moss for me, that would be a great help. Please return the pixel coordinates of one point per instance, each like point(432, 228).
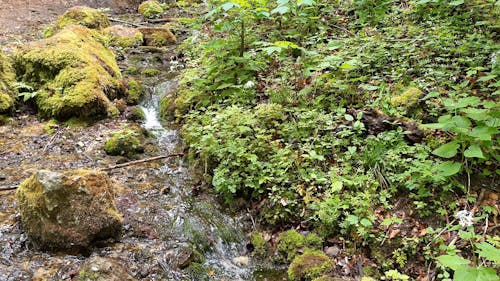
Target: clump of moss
point(125, 142)
point(151, 9)
point(131, 70)
point(310, 265)
point(158, 36)
point(408, 98)
point(197, 271)
point(51, 126)
point(259, 244)
point(136, 114)
point(150, 72)
point(290, 243)
point(134, 91)
point(80, 15)
point(7, 79)
point(74, 75)
point(123, 37)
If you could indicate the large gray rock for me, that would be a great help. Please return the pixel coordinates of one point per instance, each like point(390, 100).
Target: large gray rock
point(69, 209)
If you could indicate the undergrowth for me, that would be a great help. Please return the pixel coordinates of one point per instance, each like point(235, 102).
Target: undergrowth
point(329, 114)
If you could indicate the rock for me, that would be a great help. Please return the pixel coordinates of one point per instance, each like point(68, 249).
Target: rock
point(134, 91)
point(81, 15)
point(332, 251)
point(151, 9)
point(409, 98)
point(135, 113)
point(103, 269)
point(127, 142)
point(123, 37)
point(74, 75)
point(291, 243)
point(241, 261)
point(8, 93)
point(71, 209)
point(157, 36)
point(310, 265)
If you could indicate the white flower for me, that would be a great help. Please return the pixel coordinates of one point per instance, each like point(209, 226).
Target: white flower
point(249, 84)
point(465, 218)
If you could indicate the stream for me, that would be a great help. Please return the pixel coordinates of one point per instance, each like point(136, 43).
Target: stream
point(170, 230)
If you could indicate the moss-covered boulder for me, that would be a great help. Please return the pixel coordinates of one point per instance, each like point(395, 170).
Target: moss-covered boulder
point(408, 98)
point(7, 78)
point(310, 265)
point(151, 9)
point(157, 36)
point(134, 91)
point(135, 113)
point(291, 243)
point(81, 15)
point(123, 37)
point(71, 209)
point(103, 269)
point(74, 75)
point(126, 142)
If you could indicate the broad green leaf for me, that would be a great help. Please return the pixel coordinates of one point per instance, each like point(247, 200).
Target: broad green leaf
point(493, 122)
point(434, 125)
point(483, 133)
point(447, 150)
point(452, 261)
point(449, 168)
point(280, 10)
point(365, 222)
point(475, 274)
point(368, 87)
point(488, 251)
point(352, 220)
point(336, 186)
point(476, 113)
point(474, 151)
point(461, 103)
point(456, 3)
point(229, 5)
point(461, 122)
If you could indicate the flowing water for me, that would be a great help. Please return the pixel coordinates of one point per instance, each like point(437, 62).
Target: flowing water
point(171, 231)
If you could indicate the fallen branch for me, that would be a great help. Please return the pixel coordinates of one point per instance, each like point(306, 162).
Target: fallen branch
point(126, 22)
point(160, 20)
point(6, 188)
point(141, 161)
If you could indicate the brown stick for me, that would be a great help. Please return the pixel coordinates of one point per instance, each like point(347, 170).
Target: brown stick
point(126, 22)
point(6, 188)
point(159, 20)
point(141, 161)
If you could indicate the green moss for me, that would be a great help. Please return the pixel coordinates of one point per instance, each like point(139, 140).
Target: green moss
point(125, 142)
point(134, 91)
point(291, 242)
point(131, 70)
point(123, 37)
point(408, 98)
point(51, 126)
point(310, 265)
point(158, 36)
point(80, 15)
point(73, 74)
point(259, 244)
point(151, 9)
point(7, 79)
point(197, 271)
point(150, 72)
point(136, 114)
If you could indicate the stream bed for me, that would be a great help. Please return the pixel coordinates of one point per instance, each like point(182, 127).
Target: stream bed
point(171, 230)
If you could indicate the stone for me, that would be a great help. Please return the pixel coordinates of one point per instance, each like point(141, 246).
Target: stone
point(73, 74)
point(80, 15)
point(151, 9)
point(309, 266)
point(70, 209)
point(8, 93)
point(103, 269)
point(126, 142)
point(123, 37)
point(157, 36)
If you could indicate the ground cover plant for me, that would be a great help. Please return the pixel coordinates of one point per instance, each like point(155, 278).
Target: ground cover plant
point(373, 123)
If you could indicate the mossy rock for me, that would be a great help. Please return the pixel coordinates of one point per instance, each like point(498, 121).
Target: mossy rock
point(63, 210)
point(8, 93)
point(123, 37)
point(150, 72)
point(134, 91)
point(290, 243)
point(80, 15)
point(103, 269)
point(74, 75)
point(151, 9)
point(135, 113)
point(259, 244)
point(127, 142)
point(157, 36)
point(409, 98)
point(310, 265)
